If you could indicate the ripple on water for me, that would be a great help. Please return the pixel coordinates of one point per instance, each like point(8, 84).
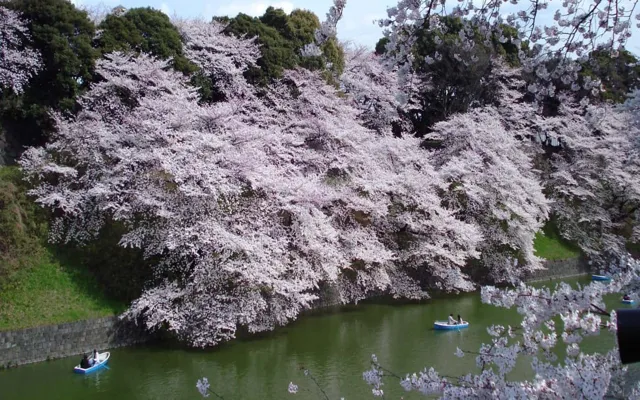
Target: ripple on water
point(336, 347)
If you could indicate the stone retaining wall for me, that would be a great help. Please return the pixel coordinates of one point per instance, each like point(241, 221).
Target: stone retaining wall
point(56, 341)
point(557, 269)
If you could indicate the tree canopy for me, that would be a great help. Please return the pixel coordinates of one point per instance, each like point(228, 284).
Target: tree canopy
point(281, 38)
point(143, 30)
point(62, 34)
point(247, 205)
point(18, 61)
point(249, 199)
point(453, 74)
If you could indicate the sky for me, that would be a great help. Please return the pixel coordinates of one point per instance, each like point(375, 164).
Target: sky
point(356, 25)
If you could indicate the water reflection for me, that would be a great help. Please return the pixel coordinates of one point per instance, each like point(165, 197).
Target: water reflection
point(335, 347)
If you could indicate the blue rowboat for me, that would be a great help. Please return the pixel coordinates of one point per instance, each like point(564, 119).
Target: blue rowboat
point(600, 278)
point(445, 326)
point(627, 301)
point(102, 357)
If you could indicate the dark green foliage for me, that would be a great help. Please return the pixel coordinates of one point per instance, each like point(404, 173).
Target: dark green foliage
point(143, 30)
point(507, 50)
point(278, 53)
point(619, 75)
point(301, 27)
point(381, 46)
point(277, 19)
point(207, 89)
point(122, 272)
point(281, 38)
point(25, 124)
point(63, 36)
point(334, 54)
point(453, 86)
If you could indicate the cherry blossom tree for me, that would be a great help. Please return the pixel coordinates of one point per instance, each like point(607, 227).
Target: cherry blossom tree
point(594, 178)
point(372, 87)
point(251, 204)
point(487, 172)
point(576, 30)
point(576, 26)
point(589, 166)
point(492, 183)
point(586, 155)
point(632, 105)
point(223, 58)
point(590, 177)
point(377, 91)
point(405, 235)
point(586, 183)
point(579, 375)
point(540, 337)
point(18, 61)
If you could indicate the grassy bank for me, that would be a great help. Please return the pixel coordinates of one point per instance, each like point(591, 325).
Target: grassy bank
point(38, 286)
point(51, 292)
point(549, 245)
point(41, 284)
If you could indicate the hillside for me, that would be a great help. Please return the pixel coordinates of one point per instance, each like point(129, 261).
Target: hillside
point(38, 284)
point(216, 175)
point(43, 284)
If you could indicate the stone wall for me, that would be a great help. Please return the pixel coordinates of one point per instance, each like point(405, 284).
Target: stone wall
point(56, 341)
point(556, 269)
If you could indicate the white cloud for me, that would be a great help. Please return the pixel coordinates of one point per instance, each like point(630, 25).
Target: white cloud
point(255, 9)
point(165, 9)
point(94, 3)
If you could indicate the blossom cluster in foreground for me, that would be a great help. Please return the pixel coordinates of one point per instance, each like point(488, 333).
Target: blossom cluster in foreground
point(579, 375)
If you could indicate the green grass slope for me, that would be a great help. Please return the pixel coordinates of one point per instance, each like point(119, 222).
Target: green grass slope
point(41, 284)
point(38, 285)
point(549, 245)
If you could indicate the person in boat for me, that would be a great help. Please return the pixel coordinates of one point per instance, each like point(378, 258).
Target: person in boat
point(626, 297)
point(451, 320)
point(84, 363)
point(460, 321)
point(95, 357)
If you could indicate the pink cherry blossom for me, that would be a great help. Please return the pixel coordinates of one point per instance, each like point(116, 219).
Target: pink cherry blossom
point(576, 29)
point(18, 61)
point(251, 203)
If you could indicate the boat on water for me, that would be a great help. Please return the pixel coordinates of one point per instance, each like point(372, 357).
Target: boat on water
point(103, 358)
point(625, 301)
point(446, 326)
point(600, 278)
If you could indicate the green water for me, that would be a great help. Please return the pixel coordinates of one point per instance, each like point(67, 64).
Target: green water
point(335, 347)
